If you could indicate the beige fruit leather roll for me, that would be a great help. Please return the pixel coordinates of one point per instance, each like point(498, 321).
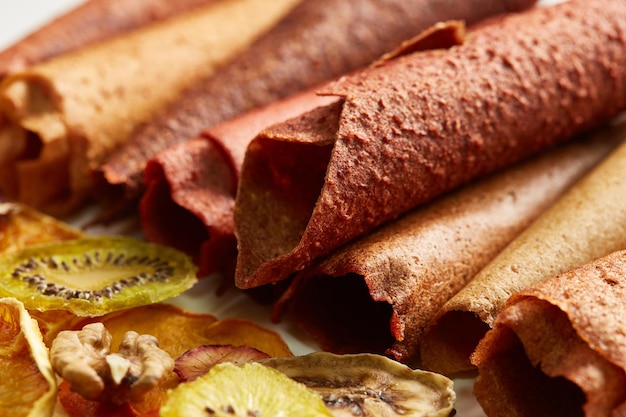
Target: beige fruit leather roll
point(66, 115)
point(558, 348)
point(588, 222)
point(89, 22)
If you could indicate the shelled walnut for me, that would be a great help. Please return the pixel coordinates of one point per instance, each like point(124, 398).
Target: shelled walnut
point(84, 359)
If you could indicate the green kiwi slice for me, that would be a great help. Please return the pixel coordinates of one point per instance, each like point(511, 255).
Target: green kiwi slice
point(249, 390)
point(92, 276)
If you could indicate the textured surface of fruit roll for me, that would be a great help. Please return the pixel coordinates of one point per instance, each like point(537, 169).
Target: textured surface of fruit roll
point(416, 126)
point(195, 182)
point(68, 113)
point(318, 41)
point(558, 347)
point(87, 23)
point(588, 222)
point(378, 293)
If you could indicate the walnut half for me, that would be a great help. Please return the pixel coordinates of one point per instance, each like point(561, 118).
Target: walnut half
point(84, 359)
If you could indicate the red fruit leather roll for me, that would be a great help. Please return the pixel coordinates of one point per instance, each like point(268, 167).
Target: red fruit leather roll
point(195, 183)
point(318, 41)
point(379, 292)
point(558, 348)
point(90, 22)
point(412, 128)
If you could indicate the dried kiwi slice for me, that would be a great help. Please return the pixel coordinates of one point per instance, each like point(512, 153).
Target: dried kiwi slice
point(250, 390)
point(366, 384)
point(92, 276)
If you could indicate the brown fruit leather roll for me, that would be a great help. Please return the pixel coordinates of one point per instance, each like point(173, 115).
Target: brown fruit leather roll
point(379, 292)
point(318, 41)
point(558, 348)
point(87, 23)
point(588, 222)
point(195, 182)
point(416, 126)
point(64, 116)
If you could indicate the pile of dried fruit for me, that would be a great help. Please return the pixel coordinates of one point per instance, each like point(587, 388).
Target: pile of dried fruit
point(89, 309)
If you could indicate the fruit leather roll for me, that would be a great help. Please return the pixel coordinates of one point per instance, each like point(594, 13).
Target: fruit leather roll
point(378, 293)
point(413, 127)
point(195, 182)
point(557, 347)
point(68, 113)
point(588, 222)
point(87, 23)
point(318, 41)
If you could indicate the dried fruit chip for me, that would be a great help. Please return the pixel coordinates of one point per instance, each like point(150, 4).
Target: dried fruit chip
point(54, 321)
point(176, 329)
point(22, 226)
point(249, 390)
point(198, 361)
point(76, 405)
point(370, 385)
point(92, 276)
point(241, 332)
point(27, 383)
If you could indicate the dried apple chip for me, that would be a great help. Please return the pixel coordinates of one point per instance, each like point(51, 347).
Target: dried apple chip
point(27, 383)
point(241, 332)
point(198, 361)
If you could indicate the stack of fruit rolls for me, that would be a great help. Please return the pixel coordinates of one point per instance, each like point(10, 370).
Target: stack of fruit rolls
point(416, 126)
point(65, 115)
point(588, 222)
point(380, 292)
point(318, 41)
point(195, 182)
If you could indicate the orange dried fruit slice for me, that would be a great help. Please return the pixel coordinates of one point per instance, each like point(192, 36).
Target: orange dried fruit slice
point(27, 382)
point(22, 226)
point(75, 405)
point(242, 332)
point(176, 329)
point(54, 321)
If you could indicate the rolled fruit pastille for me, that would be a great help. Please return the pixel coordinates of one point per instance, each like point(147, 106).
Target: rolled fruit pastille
point(318, 41)
point(378, 293)
point(68, 113)
point(588, 222)
point(196, 181)
point(558, 347)
point(89, 22)
point(422, 124)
